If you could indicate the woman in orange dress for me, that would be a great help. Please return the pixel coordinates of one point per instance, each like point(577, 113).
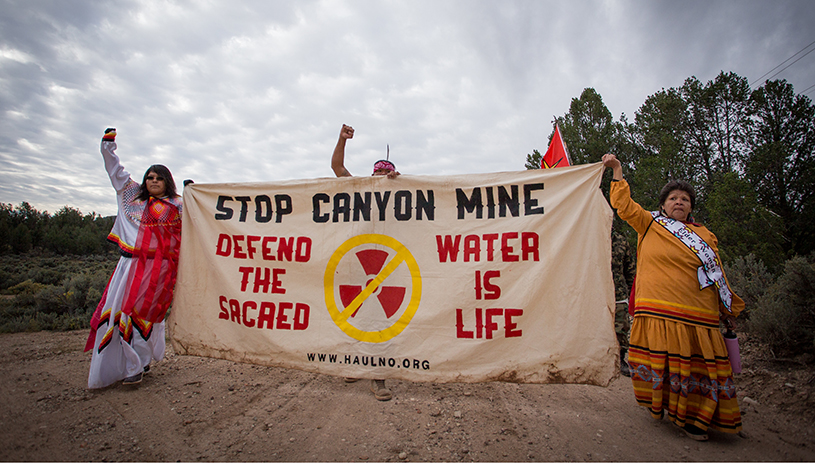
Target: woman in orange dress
point(677, 354)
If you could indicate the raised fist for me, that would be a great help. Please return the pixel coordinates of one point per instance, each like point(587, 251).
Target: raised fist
point(347, 132)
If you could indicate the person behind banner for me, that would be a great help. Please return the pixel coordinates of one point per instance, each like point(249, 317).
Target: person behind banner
point(677, 354)
point(623, 269)
point(381, 167)
point(127, 328)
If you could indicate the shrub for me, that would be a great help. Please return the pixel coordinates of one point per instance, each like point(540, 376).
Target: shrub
point(47, 276)
point(784, 316)
point(749, 279)
point(25, 293)
point(10, 309)
point(7, 279)
point(51, 292)
point(14, 325)
point(26, 287)
point(52, 300)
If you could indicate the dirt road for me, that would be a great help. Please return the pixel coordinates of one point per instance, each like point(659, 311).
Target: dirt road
point(191, 408)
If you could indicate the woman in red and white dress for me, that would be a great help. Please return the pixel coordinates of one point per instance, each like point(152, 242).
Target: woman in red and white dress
point(127, 328)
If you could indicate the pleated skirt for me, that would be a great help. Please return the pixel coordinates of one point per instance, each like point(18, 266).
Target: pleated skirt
point(683, 371)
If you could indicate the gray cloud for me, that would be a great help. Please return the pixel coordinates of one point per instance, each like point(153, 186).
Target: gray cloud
point(257, 91)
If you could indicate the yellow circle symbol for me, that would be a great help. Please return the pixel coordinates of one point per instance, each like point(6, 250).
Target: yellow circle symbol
point(341, 315)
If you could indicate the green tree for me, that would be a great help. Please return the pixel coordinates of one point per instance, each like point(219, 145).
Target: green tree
point(781, 161)
point(717, 125)
point(6, 226)
point(70, 232)
point(21, 241)
point(696, 133)
point(589, 131)
point(588, 128)
point(742, 225)
point(35, 223)
point(533, 161)
point(658, 140)
point(66, 217)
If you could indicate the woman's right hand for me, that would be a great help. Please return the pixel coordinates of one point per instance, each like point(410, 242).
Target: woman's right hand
point(347, 132)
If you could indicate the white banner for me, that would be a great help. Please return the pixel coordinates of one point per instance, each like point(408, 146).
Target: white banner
point(468, 278)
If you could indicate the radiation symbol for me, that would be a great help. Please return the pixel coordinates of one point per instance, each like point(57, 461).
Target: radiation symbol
point(391, 297)
point(378, 285)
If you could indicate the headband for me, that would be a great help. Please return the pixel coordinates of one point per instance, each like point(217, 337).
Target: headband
point(383, 164)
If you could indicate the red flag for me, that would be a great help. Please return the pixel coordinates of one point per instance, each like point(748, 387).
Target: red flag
point(556, 155)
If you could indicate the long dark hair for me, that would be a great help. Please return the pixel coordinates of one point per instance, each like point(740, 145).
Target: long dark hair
point(163, 172)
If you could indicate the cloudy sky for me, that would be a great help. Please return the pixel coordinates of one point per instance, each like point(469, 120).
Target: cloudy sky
point(247, 91)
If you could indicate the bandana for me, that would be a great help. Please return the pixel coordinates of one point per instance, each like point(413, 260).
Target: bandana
point(383, 164)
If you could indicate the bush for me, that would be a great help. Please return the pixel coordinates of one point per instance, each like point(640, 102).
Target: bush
point(52, 300)
point(25, 293)
point(14, 325)
point(10, 311)
point(51, 292)
point(26, 287)
point(749, 279)
point(48, 276)
point(784, 316)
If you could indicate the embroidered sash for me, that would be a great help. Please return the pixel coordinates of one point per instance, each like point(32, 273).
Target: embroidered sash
point(710, 272)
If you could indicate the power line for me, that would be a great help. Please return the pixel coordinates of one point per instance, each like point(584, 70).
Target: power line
point(779, 72)
point(791, 57)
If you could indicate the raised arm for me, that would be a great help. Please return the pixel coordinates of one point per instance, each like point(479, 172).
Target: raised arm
point(620, 198)
point(118, 175)
point(611, 161)
point(338, 158)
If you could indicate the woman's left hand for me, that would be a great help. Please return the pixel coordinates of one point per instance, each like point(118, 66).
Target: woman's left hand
point(611, 162)
point(729, 321)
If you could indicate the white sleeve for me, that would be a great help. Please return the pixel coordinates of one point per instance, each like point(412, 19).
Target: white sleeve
point(118, 175)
